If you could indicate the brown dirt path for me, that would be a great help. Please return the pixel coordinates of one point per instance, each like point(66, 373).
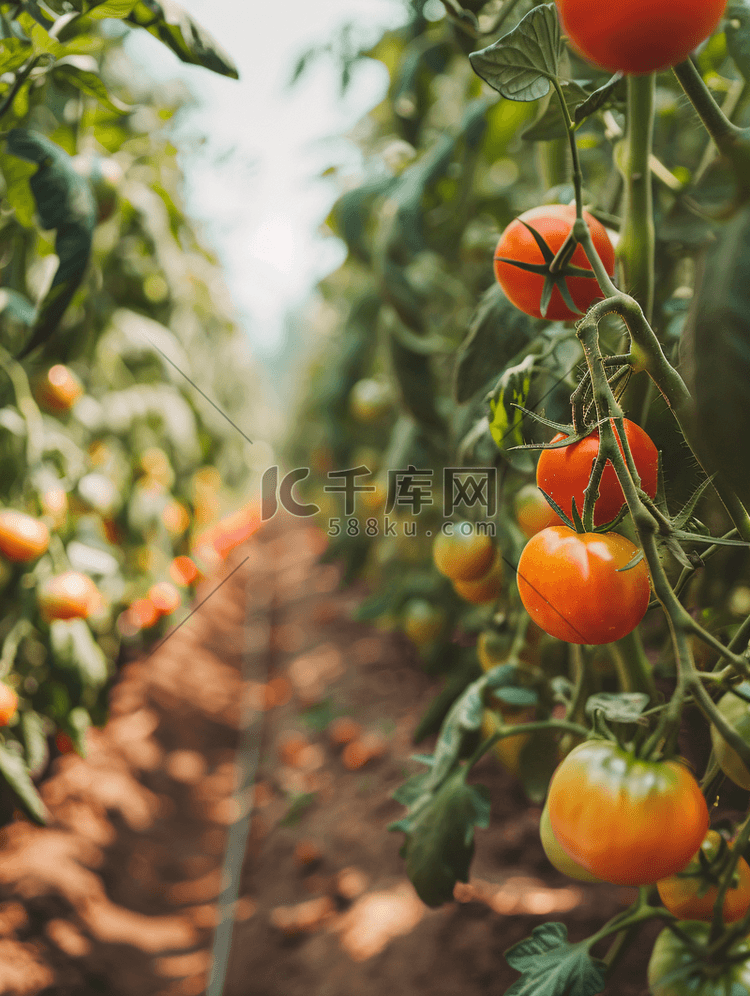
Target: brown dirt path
point(119, 893)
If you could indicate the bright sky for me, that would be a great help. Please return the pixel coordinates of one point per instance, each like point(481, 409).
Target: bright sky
point(254, 183)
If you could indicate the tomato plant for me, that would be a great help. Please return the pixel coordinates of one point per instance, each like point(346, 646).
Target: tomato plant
point(70, 595)
point(638, 37)
point(674, 969)
point(626, 820)
point(692, 892)
point(22, 537)
point(574, 587)
point(736, 711)
point(564, 473)
point(518, 245)
point(464, 554)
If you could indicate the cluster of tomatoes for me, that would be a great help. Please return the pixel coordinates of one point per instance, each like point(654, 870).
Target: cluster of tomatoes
point(472, 562)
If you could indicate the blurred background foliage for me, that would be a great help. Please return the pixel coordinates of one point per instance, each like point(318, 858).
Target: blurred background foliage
point(132, 417)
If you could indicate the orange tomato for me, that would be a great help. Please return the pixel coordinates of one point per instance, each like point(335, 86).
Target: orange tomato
point(463, 556)
point(8, 704)
point(59, 390)
point(22, 537)
point(486, 588)
point(183, 571)
point(143, 614)
point(71, 595)
point(165, 597)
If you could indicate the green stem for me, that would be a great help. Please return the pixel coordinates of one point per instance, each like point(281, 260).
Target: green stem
point(717, 124)
point(636, 248)
point(633, 666)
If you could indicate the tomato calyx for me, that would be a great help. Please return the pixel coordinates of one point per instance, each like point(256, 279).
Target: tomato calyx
point(555, 268)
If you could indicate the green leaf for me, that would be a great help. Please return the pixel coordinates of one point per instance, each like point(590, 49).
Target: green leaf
point(506, 420)
point(716, 361)
point(612, 94)
point(13, 53)
point(550, 124)
point(621, 707)
point(464, 717)
point(17, 174)
point(35, 741)
point(521, 64)
point(737, 33)
point(13, 770)
point(89, 83)
point(553, 967)
point(498, 330)
point(74, 648)
point(167, 21)
point(107, 8)
point(64, 201)
point(439, 842)
point(78, 722)
point(517, 695)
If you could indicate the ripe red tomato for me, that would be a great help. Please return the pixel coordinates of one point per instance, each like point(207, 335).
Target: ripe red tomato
point(572, 586)
point(533, 512)
point(524, 289)
point(22, 537)
point(674, 970)
point(639, 36)
point(71, 595)
point(465, 554)
point(564, 473)
point(8, 703)
point(736, 711)
point(627, 821)
point(682, 894)
point(558, 857)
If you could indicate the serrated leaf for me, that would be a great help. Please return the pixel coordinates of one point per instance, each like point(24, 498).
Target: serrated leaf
point(511, 390)
point(439, 842)
point(13, 770)
point(521, 64)
point(737, 33)
point(167, 21)
point(74, 648)
point(550, 124)
point(622, 707)
point(553, 967)
point(464, 717)
point(65, 202)
point(498, 330)
point(613, 92)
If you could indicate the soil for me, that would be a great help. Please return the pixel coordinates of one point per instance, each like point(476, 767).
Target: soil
point(121, 892)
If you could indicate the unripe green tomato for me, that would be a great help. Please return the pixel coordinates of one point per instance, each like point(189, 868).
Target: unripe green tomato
point(493, 648)
point(673, 969)
point(737, 713)
point(464, 554)
point(533, 512)
point(556, 856)
point(370, 400)
point(423, 622)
